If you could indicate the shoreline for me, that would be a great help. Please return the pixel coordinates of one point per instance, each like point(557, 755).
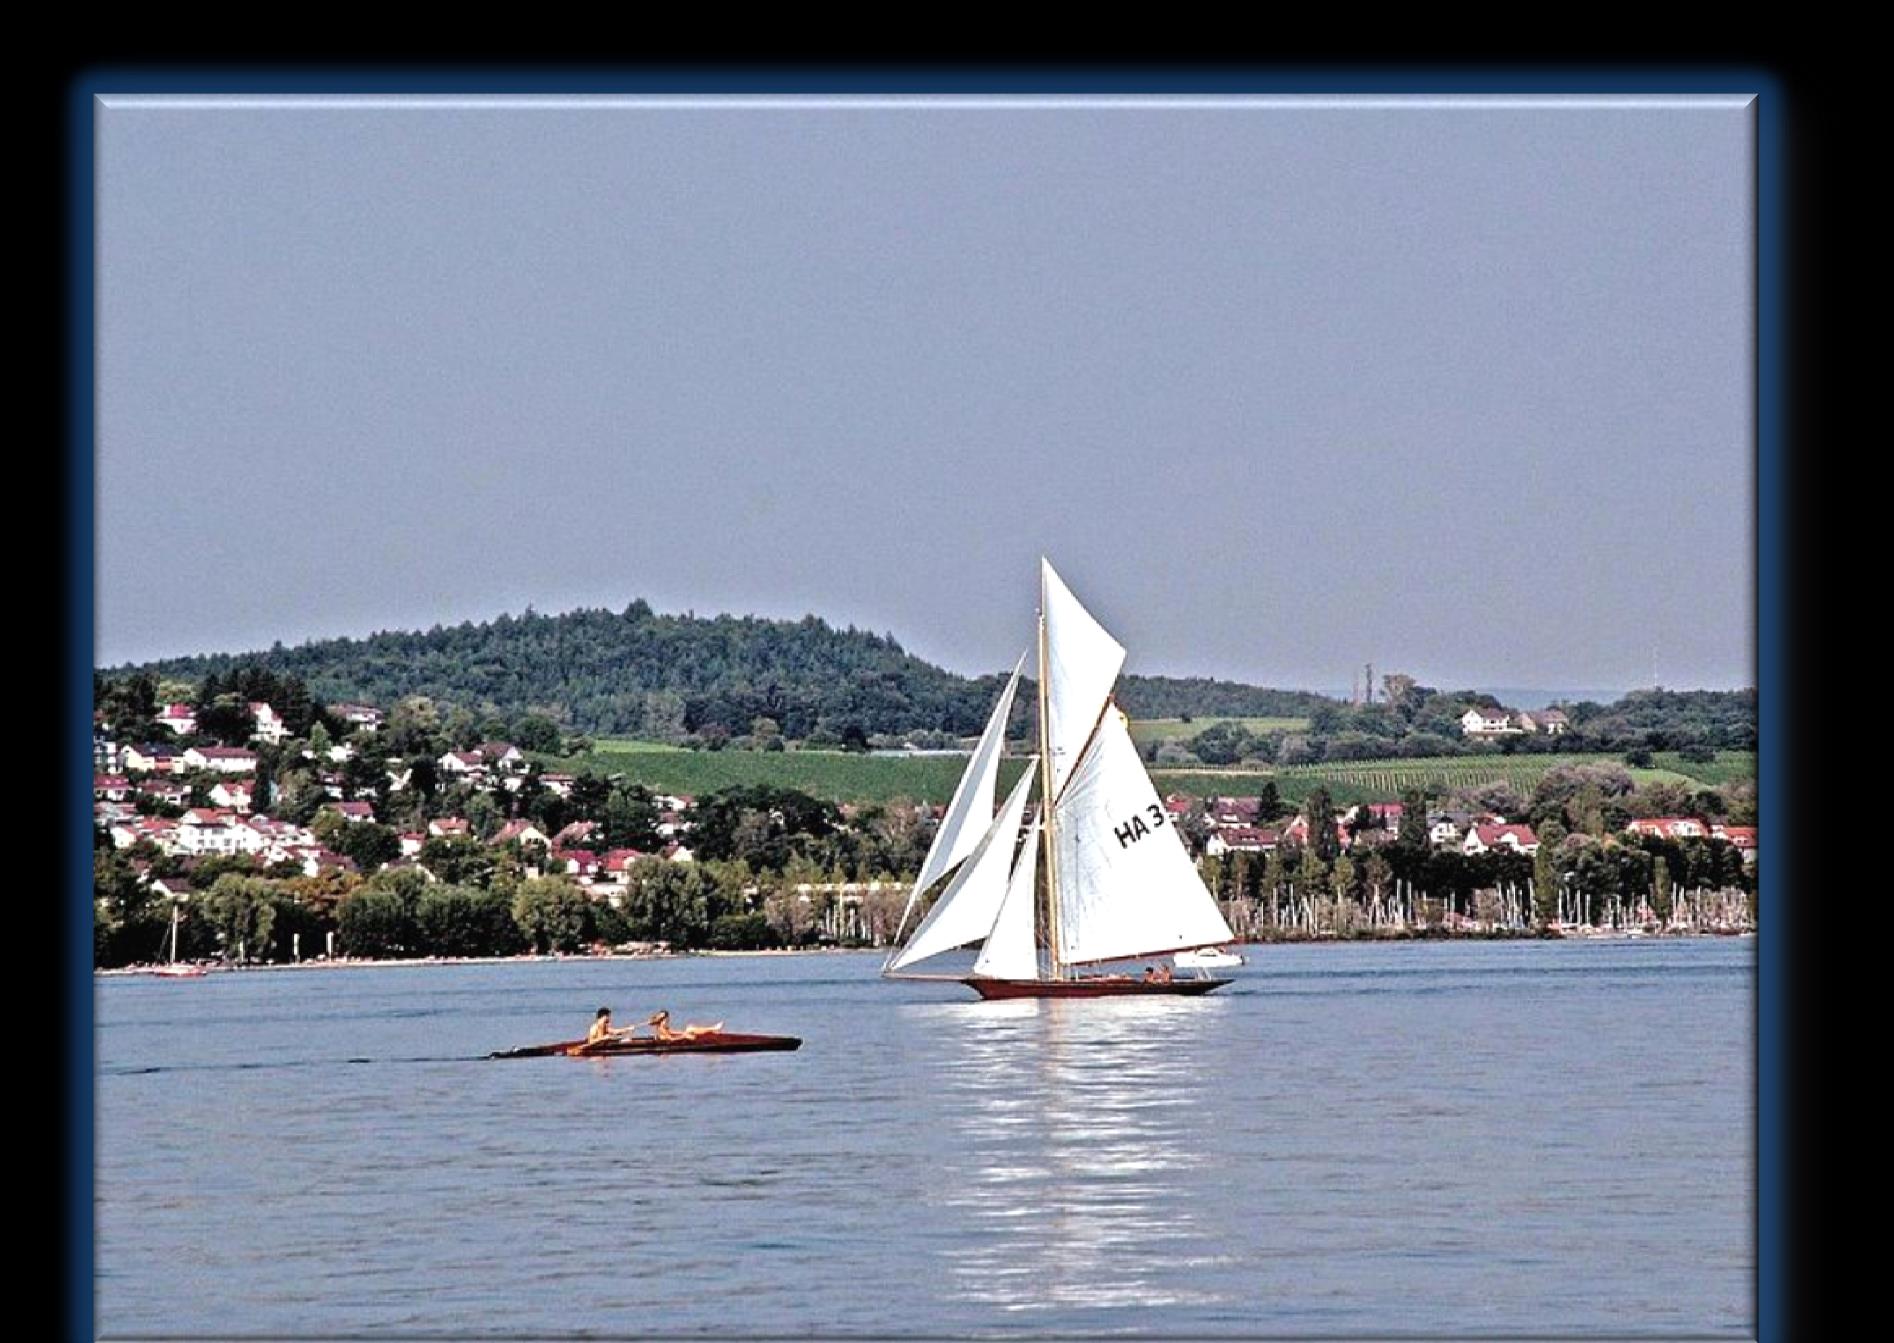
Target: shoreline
point(1294, 939)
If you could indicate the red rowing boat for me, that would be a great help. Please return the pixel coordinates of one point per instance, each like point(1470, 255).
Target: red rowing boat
point(705, 1042)
point(1096, 986)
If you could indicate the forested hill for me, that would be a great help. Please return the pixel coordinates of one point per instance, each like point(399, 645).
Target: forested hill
point(638, 673)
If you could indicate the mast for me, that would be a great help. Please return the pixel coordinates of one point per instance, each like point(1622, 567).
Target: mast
point(1056, 969)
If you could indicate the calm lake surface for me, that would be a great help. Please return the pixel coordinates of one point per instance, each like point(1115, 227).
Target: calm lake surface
point(1423, 1138)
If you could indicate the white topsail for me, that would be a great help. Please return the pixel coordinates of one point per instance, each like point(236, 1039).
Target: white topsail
point(1080, 663)
point(971, 809)
point(968, 907)
point(1010, 952)
point(1126, 885)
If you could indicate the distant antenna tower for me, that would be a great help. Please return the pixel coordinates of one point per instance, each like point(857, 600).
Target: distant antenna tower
point(1368, 680)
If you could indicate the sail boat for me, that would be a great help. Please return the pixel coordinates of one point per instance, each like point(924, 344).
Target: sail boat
point(172, 969)
point(1117, 883)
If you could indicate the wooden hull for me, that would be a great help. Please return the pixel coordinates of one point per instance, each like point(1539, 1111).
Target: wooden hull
point(1101, 986)
point(719, 1042)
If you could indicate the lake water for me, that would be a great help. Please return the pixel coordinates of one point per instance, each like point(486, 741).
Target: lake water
point(1517, 1137)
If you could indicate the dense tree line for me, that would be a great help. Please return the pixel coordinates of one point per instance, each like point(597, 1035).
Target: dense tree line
point(664, 677)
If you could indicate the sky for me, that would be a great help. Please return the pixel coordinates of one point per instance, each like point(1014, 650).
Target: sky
point(1281, 386)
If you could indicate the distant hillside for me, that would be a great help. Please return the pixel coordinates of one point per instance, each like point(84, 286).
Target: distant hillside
point(636, 673)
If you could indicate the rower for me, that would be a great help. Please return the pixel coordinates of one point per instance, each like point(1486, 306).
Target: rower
point(660, 1024)
point(601, 1027)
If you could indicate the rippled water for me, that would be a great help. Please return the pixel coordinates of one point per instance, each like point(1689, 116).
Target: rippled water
point(1423, 1138)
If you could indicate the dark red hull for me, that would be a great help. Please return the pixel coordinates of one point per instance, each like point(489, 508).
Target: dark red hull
point(1101, 986)
point(720, 1042)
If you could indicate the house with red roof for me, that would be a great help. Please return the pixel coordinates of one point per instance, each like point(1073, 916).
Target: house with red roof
point(1740, 837)
point(111, 787)
point(1240, 839)
point(523, 831)
point(180, 718)
point(618, 863)
point(233, 793)
point(353, 812)
point(1484, 838)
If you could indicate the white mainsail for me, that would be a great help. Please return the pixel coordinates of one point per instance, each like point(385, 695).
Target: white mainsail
point(1079, 663)
point(967, 909)
point(971, 810)
point(1010, 952)
point(1126, 885)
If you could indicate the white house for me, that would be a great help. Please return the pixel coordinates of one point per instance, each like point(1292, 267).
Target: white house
point(235, 794)
point(1487, 723)
point(222, 759)
point(180, 718)
point(1482, 838)
point(266, 725)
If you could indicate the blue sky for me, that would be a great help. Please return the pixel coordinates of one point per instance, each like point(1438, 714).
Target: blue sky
point(1281, 387)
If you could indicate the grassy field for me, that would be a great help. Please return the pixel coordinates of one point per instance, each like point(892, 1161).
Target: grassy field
point(834, 776)
point(1176, 729)
point(840, 777)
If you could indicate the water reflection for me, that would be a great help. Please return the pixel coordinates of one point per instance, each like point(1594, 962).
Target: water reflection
point(1070, 1136)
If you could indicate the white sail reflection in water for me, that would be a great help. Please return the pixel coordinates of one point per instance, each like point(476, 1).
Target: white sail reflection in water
point(1066, 1133)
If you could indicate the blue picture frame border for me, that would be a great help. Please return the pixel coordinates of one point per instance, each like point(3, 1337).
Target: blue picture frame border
point(1771, 410)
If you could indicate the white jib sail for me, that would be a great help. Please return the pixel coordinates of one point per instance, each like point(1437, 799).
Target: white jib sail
point(971, 810)
point(1080, 663)
point(967, 908)
point(1127, 886)
point(1010, 952)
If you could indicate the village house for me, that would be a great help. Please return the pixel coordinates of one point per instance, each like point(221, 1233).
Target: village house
point(446, 827)
point(502, 756)
point(362, 716)
point(234, 794)
point(460, 764)
point(108, 814)
point(353, 812)
point(617, 864)
point(111, 787)
point(177, 889)
point(153, 760)
point(574, 835)
point(1669, 827)
point(157, 829)
point(581, 863)
point(1740, 837)
point(1487, 723)
point(222, 759)
point(559, 784)
point(523, 831)
point(170, 791)
point(1235, 811)
point(180, 718)
point(1484, 838)
point(412, 842)
point(206, 830)
point(266, 725)
point(676, 853)
point(1240, 839)
point(1297, 832)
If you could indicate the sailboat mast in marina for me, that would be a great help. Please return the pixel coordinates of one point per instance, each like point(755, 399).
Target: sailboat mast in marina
point(1115, 882)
